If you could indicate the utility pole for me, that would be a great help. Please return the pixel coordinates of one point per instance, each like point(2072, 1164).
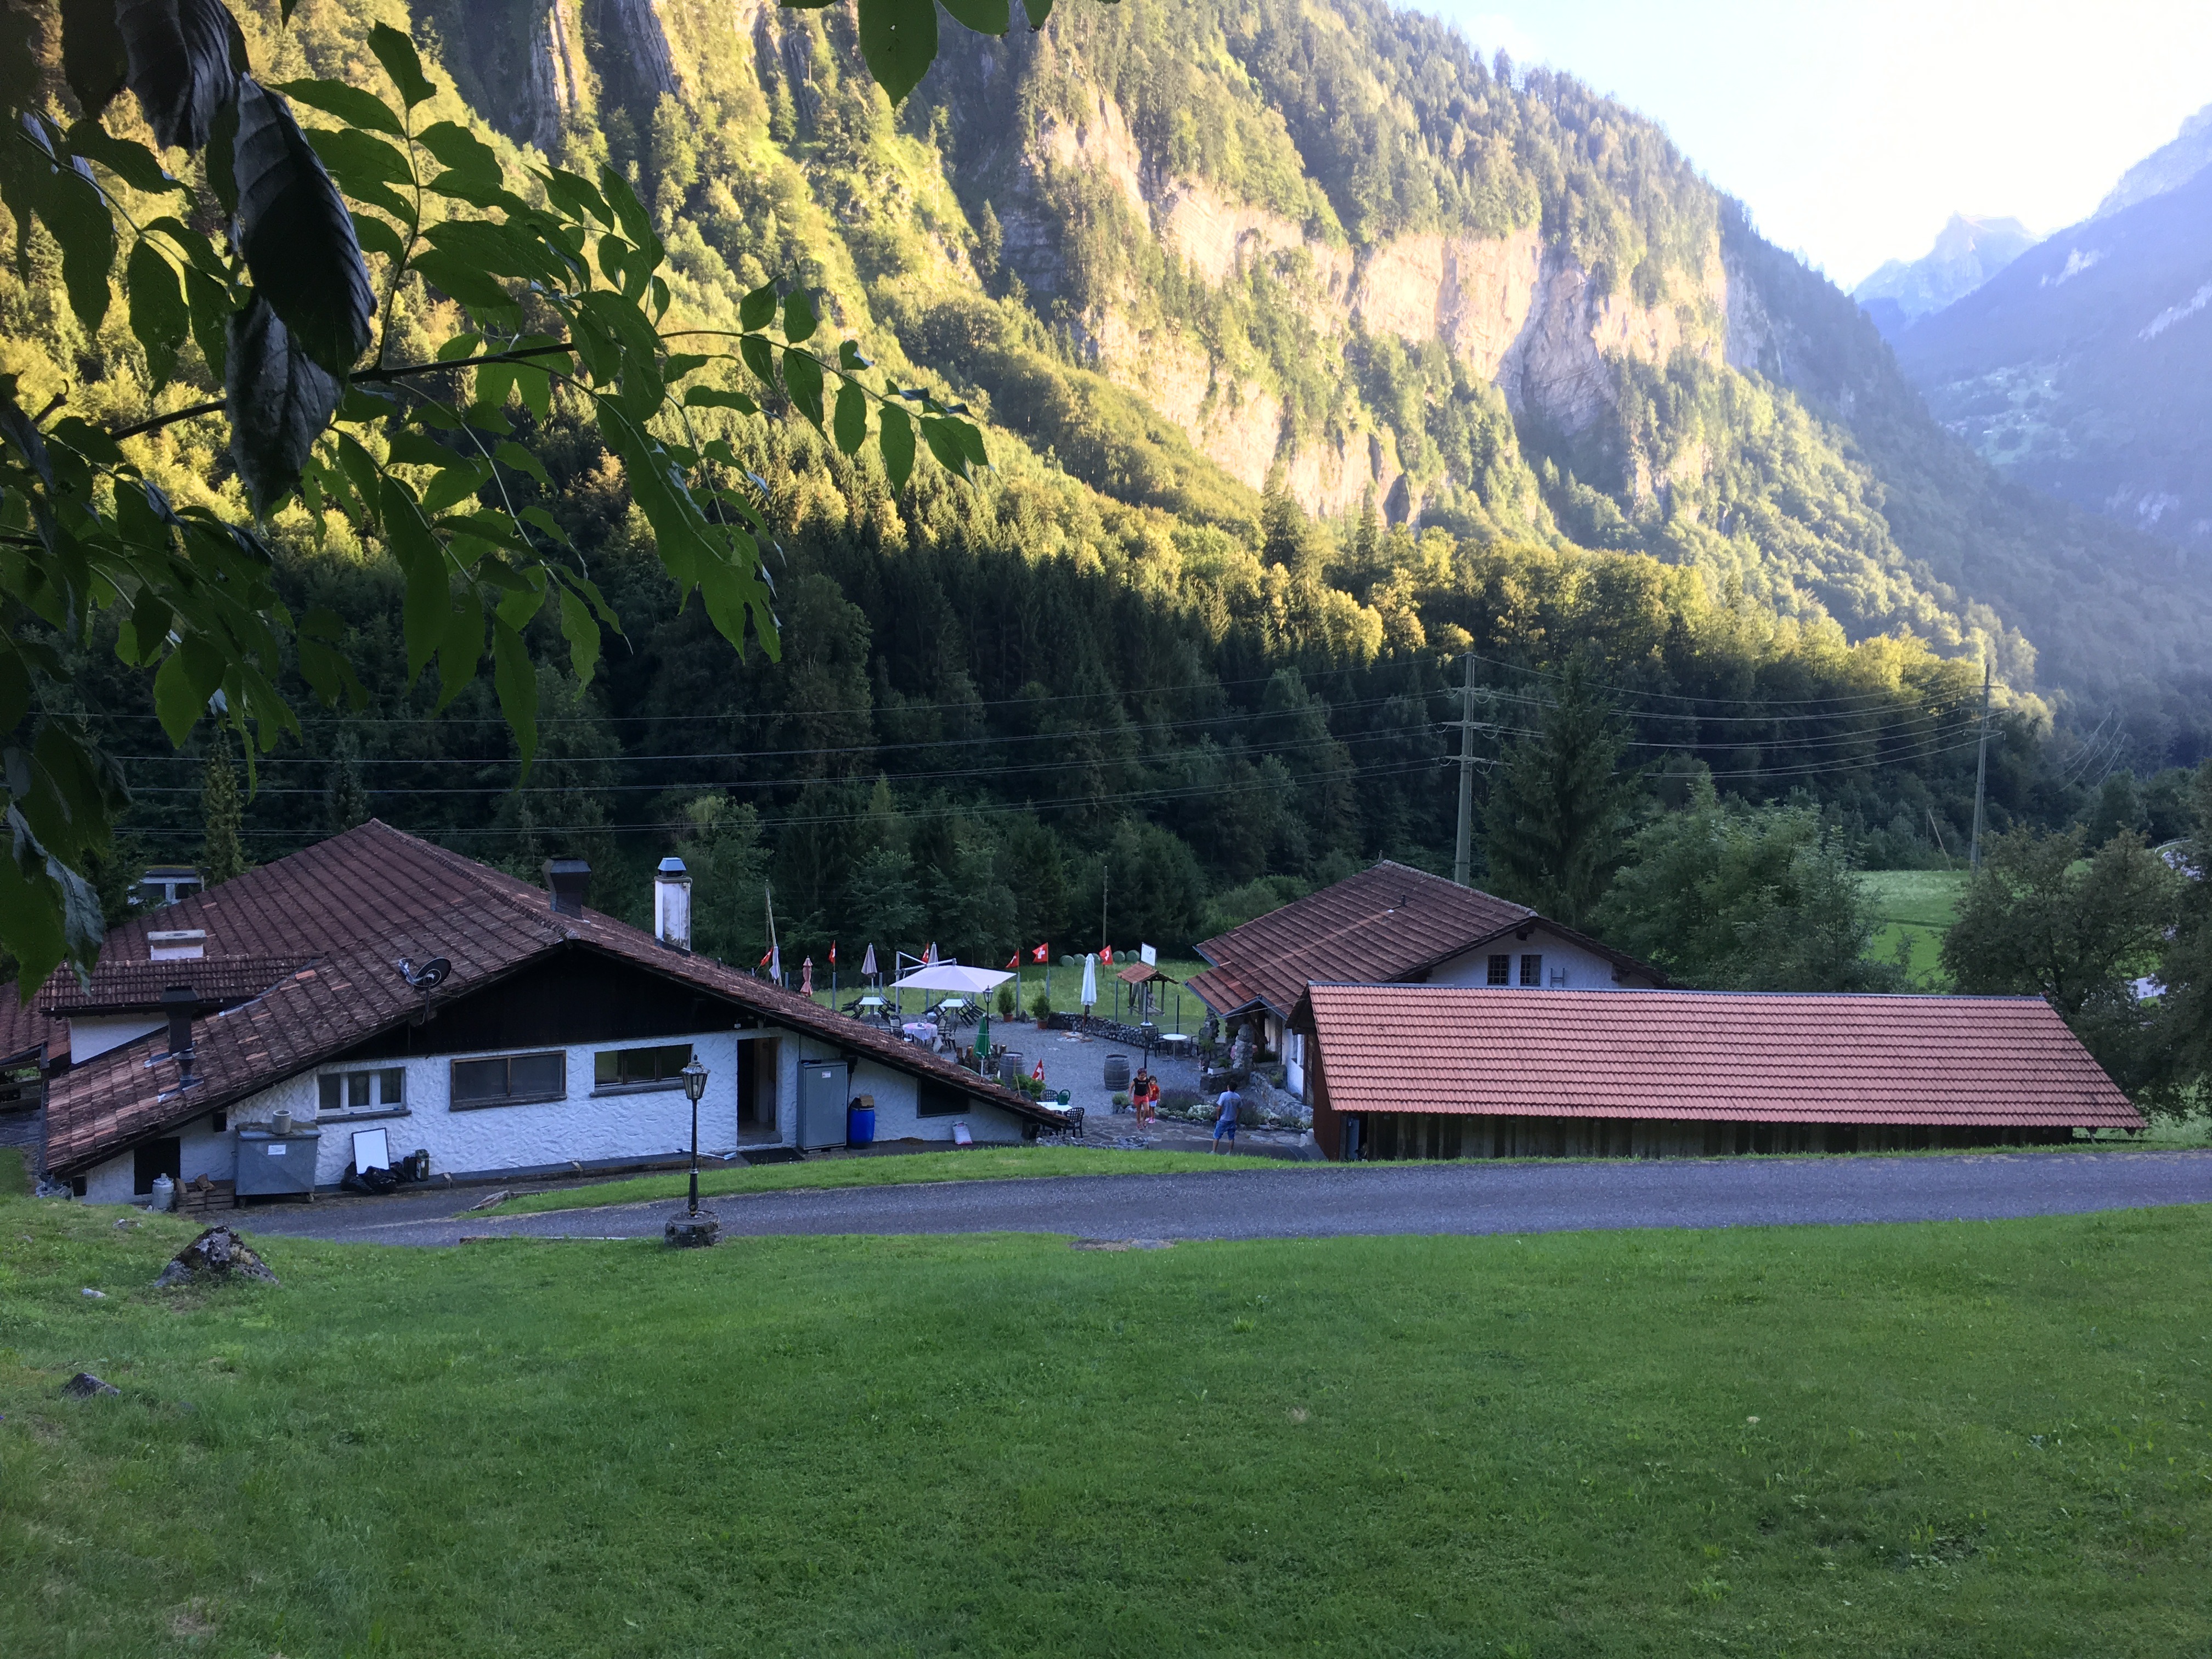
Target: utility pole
point(1463, 855)
point(1981, 773)
point(1105, 874)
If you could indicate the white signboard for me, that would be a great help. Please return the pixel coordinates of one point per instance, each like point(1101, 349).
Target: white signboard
point(1148, 956)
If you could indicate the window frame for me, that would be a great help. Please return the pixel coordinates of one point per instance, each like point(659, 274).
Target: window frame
point(1532, 970)
point(456, 1103)
point(1498, 970)
point(376, 1078)
point(659, 1083)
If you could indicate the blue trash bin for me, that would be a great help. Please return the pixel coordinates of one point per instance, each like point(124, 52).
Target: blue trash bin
point(860, 1122)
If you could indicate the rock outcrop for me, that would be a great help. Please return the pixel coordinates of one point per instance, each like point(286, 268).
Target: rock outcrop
point(217, 1255)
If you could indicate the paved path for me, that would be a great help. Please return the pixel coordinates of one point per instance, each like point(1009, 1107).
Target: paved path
point(1315, 1201)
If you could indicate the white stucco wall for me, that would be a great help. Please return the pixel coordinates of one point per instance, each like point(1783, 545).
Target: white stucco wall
point(1585, 970)
point(586, 1128)
point(90, 1035)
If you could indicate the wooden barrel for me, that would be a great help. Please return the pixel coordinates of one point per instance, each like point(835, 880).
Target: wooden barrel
point(1117, 1072)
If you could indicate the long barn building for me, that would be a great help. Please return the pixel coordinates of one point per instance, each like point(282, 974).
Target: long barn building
point(1424, 1071)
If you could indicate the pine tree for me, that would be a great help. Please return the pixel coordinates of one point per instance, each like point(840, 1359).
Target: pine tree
point(222, 846)
point(349, 799)
point(1556, 827)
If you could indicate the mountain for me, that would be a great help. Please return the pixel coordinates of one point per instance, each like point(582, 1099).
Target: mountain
point(2167, 167)
point(1312, 347)
point(1968, 251)
point(2085, 369)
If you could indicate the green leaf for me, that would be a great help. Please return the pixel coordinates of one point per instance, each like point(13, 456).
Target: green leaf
point(757, 309)
point(159, 316)
point(516, 681)
point(895, 437)
point(430, 597)
point(360, 159)
point(132, 162)
point(851, 422)
point(458, 483)
point(296, 234)
point(280, 401)
point(73, 210)
point(187, 678)
point(546, 522)
point(350, 104)
point(574, 196)
point(32, 914)
point(984, 16)
point(211, 308)
point(376, 236)
point(971, 442)
point(582, 633)
point(753, 348)
point(802, 379)
point(713, 396)
point(462, 649)
point(396, 53)
point(514, 455)
point(323, 660)
point(943, 440)
point(465, 281)
point(899, 39)
point(463, 151)
point(799, 321)
point(222, 135)
point(849, 357)
point(636, 223)
point(1038, 10)
point(15, 691)
point(94, 57)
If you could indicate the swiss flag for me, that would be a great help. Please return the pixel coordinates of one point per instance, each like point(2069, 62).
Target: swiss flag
point(764, 956)
point(1106, 956)
point(833, 953)
point(1014, 961)
point(1042, 953)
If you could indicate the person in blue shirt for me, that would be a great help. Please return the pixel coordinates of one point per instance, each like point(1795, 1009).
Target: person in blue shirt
point(1224, 1119)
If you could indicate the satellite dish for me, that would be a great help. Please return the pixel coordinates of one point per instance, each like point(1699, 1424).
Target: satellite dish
point(431, 974)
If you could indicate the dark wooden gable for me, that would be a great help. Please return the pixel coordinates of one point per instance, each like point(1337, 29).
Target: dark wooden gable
point(566, 997)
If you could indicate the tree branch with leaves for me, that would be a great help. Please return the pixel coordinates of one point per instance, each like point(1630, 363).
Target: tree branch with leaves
point(559, 279)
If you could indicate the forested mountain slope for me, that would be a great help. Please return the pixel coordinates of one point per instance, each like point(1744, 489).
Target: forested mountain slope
point(1217, 277)
point(1184, 248)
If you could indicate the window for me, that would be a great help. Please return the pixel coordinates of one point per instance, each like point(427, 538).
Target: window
point(1532, 970)
point(935, 1099)
point(618, 1068)
point(382, 1090)
point(510, 1080)
point(1501, 970)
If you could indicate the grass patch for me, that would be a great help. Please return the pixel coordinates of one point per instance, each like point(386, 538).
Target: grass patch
point(975, 1164)
point(15, 1173)
point(1917, 905)
point(1956, 1439)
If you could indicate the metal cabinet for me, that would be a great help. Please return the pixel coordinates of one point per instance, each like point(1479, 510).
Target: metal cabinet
point(274, 1165)
point(822, 1089)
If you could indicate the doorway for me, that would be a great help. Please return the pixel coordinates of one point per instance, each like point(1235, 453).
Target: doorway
point(756, 1090)
point(156, 1157)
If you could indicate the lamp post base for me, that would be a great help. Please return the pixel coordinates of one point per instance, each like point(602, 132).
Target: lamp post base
point(686, 1232)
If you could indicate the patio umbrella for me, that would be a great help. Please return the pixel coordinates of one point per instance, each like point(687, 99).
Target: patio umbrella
point(951, 977)
point(1090, 983)
point(983, 1037)
point(868, 964)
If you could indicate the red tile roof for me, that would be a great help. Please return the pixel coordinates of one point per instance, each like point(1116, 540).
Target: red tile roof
point(119, 986)
point(352, 906)
point(1726, 1056)
point(1383, 924)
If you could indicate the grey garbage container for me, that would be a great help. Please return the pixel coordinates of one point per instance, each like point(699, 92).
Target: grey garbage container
point(270, 1165)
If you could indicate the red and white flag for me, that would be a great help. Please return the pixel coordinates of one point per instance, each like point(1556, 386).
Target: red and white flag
point(929, 953)
point(1106, 956)
point(1014, 961)
point(1042, 953)
point(833, 953)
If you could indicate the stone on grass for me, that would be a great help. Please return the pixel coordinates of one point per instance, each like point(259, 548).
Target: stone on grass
point(84, 1385)
point(693, 1233)
point(216, 1254)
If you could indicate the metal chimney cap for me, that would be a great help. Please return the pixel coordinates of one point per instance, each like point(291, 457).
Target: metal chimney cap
point(672, 865)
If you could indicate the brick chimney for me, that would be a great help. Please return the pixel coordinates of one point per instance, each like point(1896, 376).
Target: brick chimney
point(672, 904)
point(566, 880)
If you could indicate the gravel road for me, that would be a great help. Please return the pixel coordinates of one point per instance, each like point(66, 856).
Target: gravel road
point(1318, 1201)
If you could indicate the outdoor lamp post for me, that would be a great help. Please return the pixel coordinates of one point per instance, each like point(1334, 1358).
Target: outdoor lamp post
point(695, 1086)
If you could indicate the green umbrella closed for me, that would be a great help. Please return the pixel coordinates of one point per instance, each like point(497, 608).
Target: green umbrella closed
point(983, 1037)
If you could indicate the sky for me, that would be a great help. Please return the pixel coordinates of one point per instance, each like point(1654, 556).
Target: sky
point(1853, 130)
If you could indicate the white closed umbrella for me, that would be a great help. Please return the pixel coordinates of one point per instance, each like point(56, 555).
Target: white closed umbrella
point(1090, 983)
point(951, 977)
point(868, 970)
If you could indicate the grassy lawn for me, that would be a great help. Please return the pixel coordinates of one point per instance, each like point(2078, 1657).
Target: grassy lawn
point(1958, 1439)
point(975, 1164)
point(1917, 904)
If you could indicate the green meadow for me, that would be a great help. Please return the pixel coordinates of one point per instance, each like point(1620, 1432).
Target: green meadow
point(1971, 1439)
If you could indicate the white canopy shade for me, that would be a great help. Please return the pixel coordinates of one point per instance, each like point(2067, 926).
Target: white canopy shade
point(1090, 982)
point(950, 976)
